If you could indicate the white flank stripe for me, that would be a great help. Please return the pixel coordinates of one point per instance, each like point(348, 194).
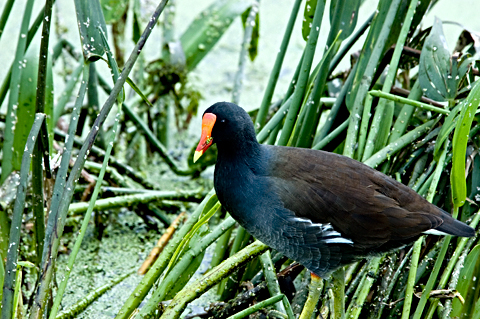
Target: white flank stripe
point(435, 232)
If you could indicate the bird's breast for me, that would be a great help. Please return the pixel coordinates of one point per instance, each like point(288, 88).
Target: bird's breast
point(245, 193)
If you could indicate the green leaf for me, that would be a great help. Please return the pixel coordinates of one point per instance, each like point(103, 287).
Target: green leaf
point(26, 103)
point(136, 21)
point(208, 27)
point(253, 48)
point(310, 7)
point(89, 18)
point(437, 72)
point(348, 17)
point(113, 9)
point(465, 284)
point(465, 65)
point(460, 139)
point(13, 80)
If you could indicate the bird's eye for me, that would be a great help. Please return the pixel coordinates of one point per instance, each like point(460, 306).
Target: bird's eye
point(222, 121)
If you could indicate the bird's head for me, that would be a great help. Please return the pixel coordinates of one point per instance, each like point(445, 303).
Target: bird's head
point(223, 122)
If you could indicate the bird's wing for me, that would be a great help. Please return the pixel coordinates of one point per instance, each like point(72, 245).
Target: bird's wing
point(316, 246)
point(361, 203)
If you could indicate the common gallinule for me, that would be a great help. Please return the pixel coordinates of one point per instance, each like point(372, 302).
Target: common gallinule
point(320, 209)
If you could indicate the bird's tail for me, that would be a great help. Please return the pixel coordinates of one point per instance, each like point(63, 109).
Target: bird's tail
point(455, 227)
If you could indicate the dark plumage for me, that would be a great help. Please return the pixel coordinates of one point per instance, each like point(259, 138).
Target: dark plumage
point(321, 209)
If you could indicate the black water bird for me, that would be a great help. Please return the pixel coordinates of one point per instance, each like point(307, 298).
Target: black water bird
point(320, 209)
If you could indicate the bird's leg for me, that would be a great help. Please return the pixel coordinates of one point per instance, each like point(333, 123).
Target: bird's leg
point(314, 290)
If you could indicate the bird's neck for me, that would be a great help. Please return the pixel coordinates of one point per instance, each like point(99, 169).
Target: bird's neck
point(244, 151)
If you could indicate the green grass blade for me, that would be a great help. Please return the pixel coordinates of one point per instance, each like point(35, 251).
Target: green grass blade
point(208, 280)
point(380, 127)
point(211, 207)
point(139, 293)
point(365, 74)
point(301, 84)
point(332, 135)
point(139, 92)
point(465, 284)
point(250, 25)
point(396, 98)
point(433, 277)
point(44, 100)
point(228, 287)
point(257, 306)
point(274, 121)
point(170, 279)
point(394, 147)
point(272, 81)
point(5, 15)
point(31, 32)
point(450, 266)
point(78, 307)
point(254, 14)
point(362, 137)
point(349, 44)
point(221, 248)
point(17, 312)
point(27, 96)
point(418, 244)
point(112, 64)
point(86, 219)
point(38, 201)
point(8, 164)
point(338, 283)
point(36, 96)
point(271, 278)
point(355, 307)
point(343, 19)
point(308, 16)
point(14, 241)
point(406, 112)
point(311, 109)
point(67, 92)
point(476, 313)
point(447, 128)
point(460, 139)
point(337, 105)
point(55, 221)
point(89, 19)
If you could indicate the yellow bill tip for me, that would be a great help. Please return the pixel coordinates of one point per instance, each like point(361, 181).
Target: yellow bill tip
point(197, 155)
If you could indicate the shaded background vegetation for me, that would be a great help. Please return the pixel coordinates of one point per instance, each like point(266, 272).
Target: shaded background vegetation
point(55, 101)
